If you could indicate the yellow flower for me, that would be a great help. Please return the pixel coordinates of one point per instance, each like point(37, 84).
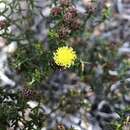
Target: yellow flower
point(65, 56)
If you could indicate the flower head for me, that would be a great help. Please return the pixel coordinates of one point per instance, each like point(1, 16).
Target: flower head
point(65, 56)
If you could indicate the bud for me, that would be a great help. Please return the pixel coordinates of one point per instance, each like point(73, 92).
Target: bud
point(70, 15)
point(64, 32)
point(27, 93)
point(91, 8)
point(60, 127)
point(73, 11)
point(56, 11)
point(76, 24)
point(3, 24)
